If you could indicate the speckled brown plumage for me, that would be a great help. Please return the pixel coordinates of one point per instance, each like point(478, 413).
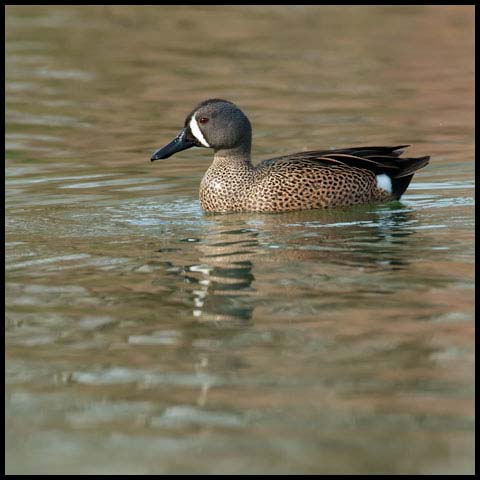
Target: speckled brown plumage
point(304, 180)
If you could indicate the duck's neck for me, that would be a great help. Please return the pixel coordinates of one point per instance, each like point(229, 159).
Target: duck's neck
point(234, 158)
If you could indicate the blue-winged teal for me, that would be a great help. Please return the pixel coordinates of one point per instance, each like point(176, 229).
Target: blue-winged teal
point(300, 181)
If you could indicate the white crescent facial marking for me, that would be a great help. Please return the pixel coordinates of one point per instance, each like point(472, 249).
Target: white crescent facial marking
point(197, 133)
point(384, 182)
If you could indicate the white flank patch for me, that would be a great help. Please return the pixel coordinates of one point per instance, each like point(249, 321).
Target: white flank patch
point(384, 182)
point(197, 133)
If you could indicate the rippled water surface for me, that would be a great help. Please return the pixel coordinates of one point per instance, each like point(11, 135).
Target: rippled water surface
point(143, 336)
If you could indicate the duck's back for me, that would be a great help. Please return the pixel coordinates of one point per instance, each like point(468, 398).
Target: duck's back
point(331, 178)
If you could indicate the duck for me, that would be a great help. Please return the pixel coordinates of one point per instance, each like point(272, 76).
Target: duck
point(316, 179)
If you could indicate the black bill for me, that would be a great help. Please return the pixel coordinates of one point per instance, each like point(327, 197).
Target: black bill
point(179, 143)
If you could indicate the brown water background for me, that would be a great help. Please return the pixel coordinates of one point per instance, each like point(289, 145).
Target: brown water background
point(143, 336)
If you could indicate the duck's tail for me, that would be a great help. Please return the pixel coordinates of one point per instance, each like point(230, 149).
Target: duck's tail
point(401, 179)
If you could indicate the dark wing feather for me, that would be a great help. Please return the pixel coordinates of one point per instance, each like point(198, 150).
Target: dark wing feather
point(376, 159)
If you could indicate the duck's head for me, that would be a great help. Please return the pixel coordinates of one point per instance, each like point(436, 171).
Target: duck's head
point(214, 123)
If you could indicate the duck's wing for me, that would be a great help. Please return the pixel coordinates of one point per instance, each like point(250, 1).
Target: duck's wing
point(376, 159)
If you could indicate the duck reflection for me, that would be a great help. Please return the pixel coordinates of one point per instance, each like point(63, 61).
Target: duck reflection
point(224, 277)
point(234, 249)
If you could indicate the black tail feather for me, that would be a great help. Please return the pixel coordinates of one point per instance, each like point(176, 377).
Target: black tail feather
point(399, 185)
point(401, 181)
point(410, 165)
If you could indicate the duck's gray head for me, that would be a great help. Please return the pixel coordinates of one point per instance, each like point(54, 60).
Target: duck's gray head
point(214, 123)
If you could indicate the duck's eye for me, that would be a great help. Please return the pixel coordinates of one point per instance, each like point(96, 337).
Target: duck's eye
point(203, 120)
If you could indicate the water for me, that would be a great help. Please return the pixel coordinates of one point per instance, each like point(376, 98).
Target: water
point(143, 336)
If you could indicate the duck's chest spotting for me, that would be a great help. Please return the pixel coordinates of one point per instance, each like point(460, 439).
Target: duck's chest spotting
point(225, 189)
